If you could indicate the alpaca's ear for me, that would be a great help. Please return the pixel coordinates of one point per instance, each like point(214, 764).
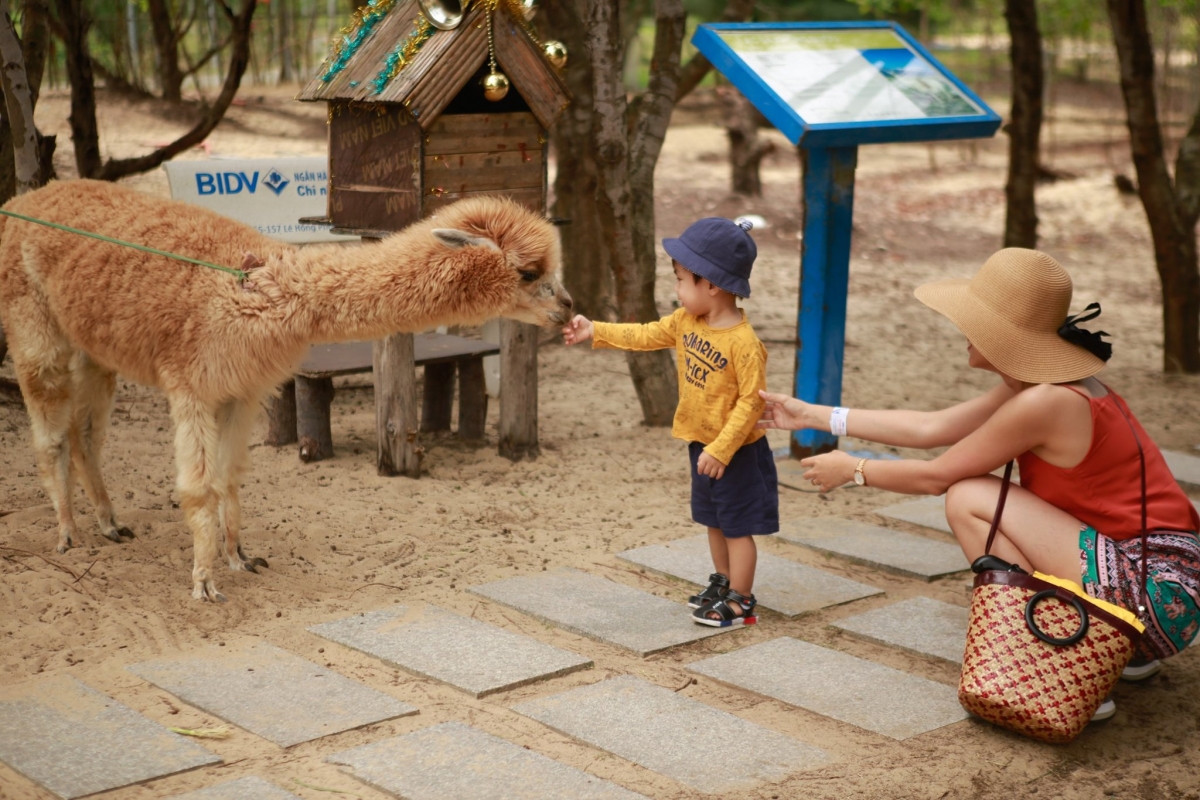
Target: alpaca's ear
point(456, 238)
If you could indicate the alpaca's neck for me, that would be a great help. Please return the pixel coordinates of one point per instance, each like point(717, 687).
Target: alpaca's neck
point(365, 292)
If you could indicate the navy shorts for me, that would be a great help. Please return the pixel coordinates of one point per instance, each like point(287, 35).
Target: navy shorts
point(745, 501)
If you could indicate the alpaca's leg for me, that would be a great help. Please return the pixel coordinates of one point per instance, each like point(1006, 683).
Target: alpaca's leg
point(92, 390)
point(196, 448)
point(235, 421)
point(46, 385)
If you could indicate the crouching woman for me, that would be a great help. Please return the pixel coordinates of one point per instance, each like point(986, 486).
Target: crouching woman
point(1078, 511)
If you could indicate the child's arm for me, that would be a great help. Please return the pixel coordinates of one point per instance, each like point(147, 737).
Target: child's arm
point(656, 335)
point(751, 366)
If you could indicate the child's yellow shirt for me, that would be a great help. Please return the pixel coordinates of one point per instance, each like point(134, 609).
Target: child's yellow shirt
point(720, 374)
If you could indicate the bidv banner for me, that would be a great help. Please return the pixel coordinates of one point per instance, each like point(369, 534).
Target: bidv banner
point(270, 194)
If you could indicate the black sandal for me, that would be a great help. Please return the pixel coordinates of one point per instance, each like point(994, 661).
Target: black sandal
point(718, 585)
point(727, 616)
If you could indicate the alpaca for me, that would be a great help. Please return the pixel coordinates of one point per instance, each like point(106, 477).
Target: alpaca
point(78, 312)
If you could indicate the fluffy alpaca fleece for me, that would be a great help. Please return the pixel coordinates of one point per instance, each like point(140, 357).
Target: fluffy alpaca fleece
point(78, 312)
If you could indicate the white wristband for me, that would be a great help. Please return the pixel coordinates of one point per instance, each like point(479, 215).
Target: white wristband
point(837, 421)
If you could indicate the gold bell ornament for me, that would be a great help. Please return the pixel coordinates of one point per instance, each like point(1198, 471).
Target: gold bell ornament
point(495, 86)
point(556, 53)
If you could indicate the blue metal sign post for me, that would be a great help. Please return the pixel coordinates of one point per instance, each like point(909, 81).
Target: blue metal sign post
point(830, 87)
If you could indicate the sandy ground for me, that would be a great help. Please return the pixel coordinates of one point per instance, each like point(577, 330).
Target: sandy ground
point(341, 540)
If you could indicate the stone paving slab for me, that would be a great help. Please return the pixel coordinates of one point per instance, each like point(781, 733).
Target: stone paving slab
point(75, 741)
point(779, 584)
point(837, 685)
point(700, 746)
point(927, 511)
point(1184, 466)
point(895, 551)
point(919, 625)
point(271, 692)
point(435, 643)
point(453, 761)
point(600, 609)
point(250, 788)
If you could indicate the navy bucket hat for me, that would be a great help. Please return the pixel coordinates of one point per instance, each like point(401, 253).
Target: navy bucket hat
point(718, 249)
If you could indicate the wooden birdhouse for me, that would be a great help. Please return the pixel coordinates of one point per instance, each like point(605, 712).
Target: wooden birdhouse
point(411, 127)
point(432, 101)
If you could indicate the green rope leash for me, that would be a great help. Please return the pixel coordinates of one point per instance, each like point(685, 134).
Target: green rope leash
point(239, 274)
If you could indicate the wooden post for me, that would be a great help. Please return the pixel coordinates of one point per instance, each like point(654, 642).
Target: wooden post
point(472, 399)
point(397, 452)
point(313, 398)
point(281, 416)
point(827, 205)
point(439, 397)
point(518, 390)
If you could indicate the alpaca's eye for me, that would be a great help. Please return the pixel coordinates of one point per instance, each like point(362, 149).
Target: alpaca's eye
point(529, 276)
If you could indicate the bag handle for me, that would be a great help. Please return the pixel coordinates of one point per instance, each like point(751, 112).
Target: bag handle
point(1008, 468)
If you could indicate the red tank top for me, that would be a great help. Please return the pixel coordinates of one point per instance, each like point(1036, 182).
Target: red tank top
point(1105, 489)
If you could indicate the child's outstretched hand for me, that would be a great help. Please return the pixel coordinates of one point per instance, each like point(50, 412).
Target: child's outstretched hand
point(577, 330)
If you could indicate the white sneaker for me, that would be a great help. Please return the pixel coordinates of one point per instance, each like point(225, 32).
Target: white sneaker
point(1106, 710)
point(1140, 670)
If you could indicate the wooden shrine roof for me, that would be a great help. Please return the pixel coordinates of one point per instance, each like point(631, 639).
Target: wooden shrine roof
point(442, 67)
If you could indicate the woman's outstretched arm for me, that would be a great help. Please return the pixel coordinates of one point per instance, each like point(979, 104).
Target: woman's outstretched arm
point(1043, 418)
point(899, 428)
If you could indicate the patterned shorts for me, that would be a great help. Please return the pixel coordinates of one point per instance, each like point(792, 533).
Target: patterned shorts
point(1111, 571)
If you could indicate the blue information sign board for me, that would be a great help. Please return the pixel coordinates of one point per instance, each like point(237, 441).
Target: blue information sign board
point(830, 87)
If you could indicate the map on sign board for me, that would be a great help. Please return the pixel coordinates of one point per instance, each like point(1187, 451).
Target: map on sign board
point(849, 75)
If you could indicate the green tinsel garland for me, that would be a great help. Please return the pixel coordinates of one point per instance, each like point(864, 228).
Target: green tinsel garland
point(353, 35)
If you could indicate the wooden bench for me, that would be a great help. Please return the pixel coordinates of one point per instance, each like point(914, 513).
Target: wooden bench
point(441, 355)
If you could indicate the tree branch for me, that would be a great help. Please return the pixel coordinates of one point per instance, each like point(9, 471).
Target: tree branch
point(115, 169)
point(698, 65)
point(652, 110)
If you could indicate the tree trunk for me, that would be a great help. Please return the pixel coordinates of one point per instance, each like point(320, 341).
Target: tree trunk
point(287, 72)
point(33, 47)
point(1024, 130)
point(625, 159)
point(746, 149)
point(166, 42)
point(1172, 218)
point(18, 105)
point(586, 273)
point(76, 20)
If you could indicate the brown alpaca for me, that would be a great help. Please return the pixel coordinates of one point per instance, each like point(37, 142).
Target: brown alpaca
point(78, 312)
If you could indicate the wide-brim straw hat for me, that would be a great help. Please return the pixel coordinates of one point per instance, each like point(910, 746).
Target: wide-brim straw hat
point(1011, 311)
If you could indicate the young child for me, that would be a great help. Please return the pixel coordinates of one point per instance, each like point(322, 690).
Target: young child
point(722, 366)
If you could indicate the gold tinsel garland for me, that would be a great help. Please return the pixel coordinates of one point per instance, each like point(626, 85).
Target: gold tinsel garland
point(404, 52)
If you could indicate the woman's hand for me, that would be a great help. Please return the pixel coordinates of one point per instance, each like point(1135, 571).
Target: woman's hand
point(785, 412)
point(830, 470)
point(708, 466)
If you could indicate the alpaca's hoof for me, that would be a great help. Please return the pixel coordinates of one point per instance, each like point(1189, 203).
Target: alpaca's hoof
point(207, 591)
point(246, 563)
point(119, 535)
point(64, 543)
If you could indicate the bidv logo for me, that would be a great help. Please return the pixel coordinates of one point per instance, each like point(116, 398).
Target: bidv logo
point(238, 182)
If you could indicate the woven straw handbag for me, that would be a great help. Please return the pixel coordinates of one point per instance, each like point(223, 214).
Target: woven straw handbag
point(1041, 655)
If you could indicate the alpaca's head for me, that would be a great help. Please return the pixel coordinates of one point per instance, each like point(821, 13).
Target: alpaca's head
point(530, 249)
